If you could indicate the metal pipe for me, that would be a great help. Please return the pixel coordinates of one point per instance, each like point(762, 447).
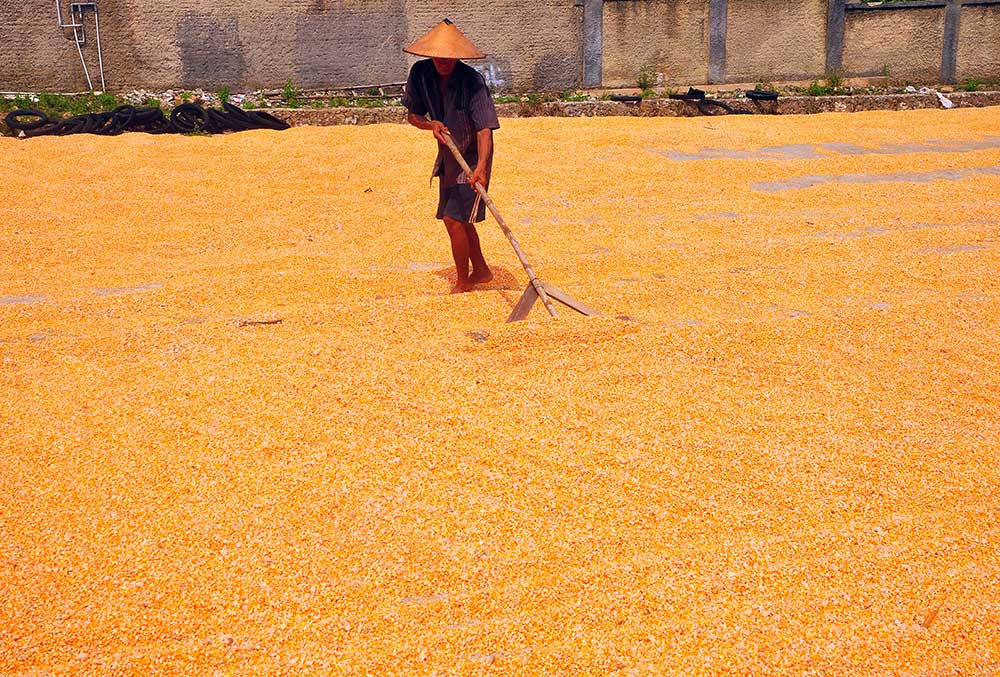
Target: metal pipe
point(80, 35)
point(83, 62)
point(97, 27)
point(79, 7)
point(8, 95)
point(100, 56)
point(60, 19)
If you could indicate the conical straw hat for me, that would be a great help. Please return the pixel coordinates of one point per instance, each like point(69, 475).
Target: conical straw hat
point(445, 42)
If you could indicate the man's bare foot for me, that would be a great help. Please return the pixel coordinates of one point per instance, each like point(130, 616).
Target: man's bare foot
point(481, 276)
point(461, 288)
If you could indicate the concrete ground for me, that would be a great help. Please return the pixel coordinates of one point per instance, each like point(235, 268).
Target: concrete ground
point(246, 430)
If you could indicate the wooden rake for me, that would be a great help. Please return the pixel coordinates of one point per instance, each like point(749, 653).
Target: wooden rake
point(536, 289)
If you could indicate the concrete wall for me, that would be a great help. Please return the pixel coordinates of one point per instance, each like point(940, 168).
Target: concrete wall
point(531, 45)
point(197, 43)
point(670, 37)
point(538, 45)
point(979, 43)
point(772, 40)
point(906, 43)
point(263, 43)
point(775, 40)
point(32, 53)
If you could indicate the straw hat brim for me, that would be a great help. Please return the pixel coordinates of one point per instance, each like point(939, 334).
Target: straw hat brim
point(444, 41)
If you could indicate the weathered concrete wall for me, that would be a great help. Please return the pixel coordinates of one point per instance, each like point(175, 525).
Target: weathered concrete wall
point(531, 45)
point(979, 42)
point(669, 37)
point(33, 54)
point(370, 34)
point(196, 43)
point(315, 43)
point(771, 40)
point(247, 44)
point(904, 43)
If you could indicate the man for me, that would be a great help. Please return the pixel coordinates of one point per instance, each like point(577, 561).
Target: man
point(445, 96)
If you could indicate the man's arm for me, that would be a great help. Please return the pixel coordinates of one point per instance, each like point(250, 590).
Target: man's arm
point(484, 143)
point(484, 119)
point(436, 128)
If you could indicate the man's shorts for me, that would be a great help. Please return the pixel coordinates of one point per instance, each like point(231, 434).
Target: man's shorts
point(456, 202)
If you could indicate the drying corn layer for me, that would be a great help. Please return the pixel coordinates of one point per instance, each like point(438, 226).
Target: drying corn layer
point(244, 429)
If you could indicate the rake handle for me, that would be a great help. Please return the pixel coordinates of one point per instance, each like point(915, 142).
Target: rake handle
point(539, 287)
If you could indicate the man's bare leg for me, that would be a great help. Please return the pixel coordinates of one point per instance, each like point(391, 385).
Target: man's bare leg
point(480, 271)
point(460, 252)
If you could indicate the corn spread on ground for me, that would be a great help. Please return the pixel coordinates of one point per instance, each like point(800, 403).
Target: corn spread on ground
point(775, 455)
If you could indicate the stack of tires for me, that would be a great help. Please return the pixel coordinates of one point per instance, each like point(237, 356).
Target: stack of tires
point(184, 119)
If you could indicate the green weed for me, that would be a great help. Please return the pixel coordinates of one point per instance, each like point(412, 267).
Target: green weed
point(815, 89)
point(647, 78)
point(970, 85)
point(538, 97)
point(290, 95)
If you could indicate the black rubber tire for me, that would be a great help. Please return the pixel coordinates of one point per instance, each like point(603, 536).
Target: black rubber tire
point(215, 121)
point(103, 124)
point(761, 95)
point(117, 121)
point(691, 95)
point(185, 118)
point(92, 122)
point(146, 115)
point(267, 121)
point(236, 112)
point(713, 106)
point(188, 117)
point(238, 119)
point(238, 124)
point(153, 121)
point(46, 130)
point(626, 98)
point(13, 119)
point(150, 120)
point(163, 126)
point(72, 125)
point(124, 114)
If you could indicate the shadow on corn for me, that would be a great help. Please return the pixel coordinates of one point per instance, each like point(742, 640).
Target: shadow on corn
point(503, 279)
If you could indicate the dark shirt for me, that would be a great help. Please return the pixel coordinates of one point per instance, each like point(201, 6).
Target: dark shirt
point(464, 106)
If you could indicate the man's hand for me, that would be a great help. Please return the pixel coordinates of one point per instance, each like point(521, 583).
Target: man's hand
point(439, 130)
point(478, 176)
